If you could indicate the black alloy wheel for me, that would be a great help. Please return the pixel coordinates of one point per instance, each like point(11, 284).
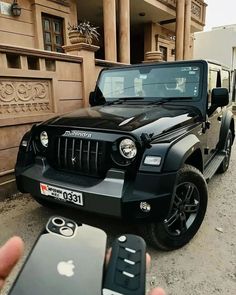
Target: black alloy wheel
point(228, 146)
point(186, 212)
point(184, 209)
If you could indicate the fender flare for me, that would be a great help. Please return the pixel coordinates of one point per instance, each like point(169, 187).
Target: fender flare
point(227, 123)
point(180, 151)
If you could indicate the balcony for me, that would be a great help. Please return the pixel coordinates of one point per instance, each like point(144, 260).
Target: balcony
point(198, 11)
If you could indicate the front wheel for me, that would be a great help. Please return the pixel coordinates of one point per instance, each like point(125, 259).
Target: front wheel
point(186, 212)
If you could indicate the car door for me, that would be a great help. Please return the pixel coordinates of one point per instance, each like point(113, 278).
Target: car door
point(214, 115)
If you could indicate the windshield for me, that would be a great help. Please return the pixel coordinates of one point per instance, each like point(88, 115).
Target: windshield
point(150, 83)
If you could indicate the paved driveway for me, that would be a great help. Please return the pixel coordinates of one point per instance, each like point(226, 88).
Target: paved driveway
point(207, 265)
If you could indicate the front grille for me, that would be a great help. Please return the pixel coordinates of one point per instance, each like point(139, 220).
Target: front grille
point(81, 155)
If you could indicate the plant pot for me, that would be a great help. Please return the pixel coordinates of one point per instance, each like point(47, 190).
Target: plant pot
point(76, 37)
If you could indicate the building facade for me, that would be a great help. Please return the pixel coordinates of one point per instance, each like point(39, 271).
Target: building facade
point(43, 75)
point(222, 39)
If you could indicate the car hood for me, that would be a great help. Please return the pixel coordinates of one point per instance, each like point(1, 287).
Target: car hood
point(126, 117)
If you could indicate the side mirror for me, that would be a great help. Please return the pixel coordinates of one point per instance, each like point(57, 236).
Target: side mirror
point(92, 100)
point(220, 97)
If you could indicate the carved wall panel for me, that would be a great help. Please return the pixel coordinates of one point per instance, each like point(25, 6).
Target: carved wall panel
point(196, 10)
point(20, 97)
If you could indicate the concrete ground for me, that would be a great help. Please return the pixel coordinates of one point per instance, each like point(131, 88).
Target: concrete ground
point(207, 265)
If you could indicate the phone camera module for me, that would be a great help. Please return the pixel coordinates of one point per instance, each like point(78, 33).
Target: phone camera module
point(66, 231)
point(58, 221)
point(70, 224)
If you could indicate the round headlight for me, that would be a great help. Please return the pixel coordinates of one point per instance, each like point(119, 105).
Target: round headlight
point(128, 148)
point(44, 138)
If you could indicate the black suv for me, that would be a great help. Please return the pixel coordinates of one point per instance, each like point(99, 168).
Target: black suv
point(155, 133)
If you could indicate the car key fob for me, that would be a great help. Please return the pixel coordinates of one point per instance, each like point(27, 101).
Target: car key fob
point(126, 273)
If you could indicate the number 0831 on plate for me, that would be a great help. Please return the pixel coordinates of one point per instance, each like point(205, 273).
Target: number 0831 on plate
point(61, 194)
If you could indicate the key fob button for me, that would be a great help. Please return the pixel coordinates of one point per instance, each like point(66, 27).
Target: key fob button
point(122, 239)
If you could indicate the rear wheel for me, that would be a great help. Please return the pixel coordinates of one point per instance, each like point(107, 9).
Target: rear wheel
point(228, 145)
point(186, 213)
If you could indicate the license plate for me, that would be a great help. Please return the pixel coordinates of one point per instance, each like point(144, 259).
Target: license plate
point(61, 194)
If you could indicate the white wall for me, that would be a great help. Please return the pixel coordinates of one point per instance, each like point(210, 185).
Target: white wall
point(234, 58)
point(217, 45)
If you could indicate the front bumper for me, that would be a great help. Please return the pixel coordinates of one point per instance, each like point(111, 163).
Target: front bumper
point(113, 195)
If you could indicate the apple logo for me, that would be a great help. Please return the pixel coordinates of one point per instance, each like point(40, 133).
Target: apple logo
point(66, 268)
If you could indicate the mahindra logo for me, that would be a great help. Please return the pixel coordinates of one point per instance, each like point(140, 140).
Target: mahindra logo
point(77, 133)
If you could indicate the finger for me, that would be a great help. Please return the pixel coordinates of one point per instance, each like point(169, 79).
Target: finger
point(157, 291)
point(9, 255)
point(108, 256)
point(148, 261)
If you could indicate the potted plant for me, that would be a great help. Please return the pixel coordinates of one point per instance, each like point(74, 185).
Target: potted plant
point(83, 32)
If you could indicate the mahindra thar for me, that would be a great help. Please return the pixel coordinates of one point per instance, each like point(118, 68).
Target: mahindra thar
point(144, 151)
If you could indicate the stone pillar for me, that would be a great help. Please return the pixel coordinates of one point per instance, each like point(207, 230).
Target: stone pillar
point(179, 44)
point(109, 21)
point(87, 52)
point(124, 31)
point(187, 29)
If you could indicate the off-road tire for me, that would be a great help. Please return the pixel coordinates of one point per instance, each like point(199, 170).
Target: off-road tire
point(158, 234)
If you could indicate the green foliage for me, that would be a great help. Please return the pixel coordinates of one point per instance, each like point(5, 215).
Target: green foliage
point(85, 29)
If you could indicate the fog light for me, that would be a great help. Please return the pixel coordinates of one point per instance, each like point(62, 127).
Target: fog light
point(145, 207)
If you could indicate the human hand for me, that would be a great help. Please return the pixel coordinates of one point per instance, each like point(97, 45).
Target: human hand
point(10, 253)
point(12, 250)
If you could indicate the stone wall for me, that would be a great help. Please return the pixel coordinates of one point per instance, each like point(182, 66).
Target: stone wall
point(34, 86)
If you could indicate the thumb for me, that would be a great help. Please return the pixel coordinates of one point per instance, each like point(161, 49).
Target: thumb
point(9, 255)
point(157, 291)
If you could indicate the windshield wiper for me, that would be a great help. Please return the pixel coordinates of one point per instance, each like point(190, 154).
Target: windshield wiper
point(169, 99)
point(123, 99)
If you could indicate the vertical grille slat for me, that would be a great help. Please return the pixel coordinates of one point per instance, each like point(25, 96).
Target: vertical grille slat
point(59, 152)
point(81, 155)
point(65, 153)
point(88, 156)
point(73, 153)
point(96, 158)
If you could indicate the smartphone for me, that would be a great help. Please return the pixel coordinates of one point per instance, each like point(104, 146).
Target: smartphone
point(67, 259)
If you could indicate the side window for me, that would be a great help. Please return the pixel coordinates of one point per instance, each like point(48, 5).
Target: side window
point(52, 33)
point(225, 77)
point(213, 77)
point(214, 81)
